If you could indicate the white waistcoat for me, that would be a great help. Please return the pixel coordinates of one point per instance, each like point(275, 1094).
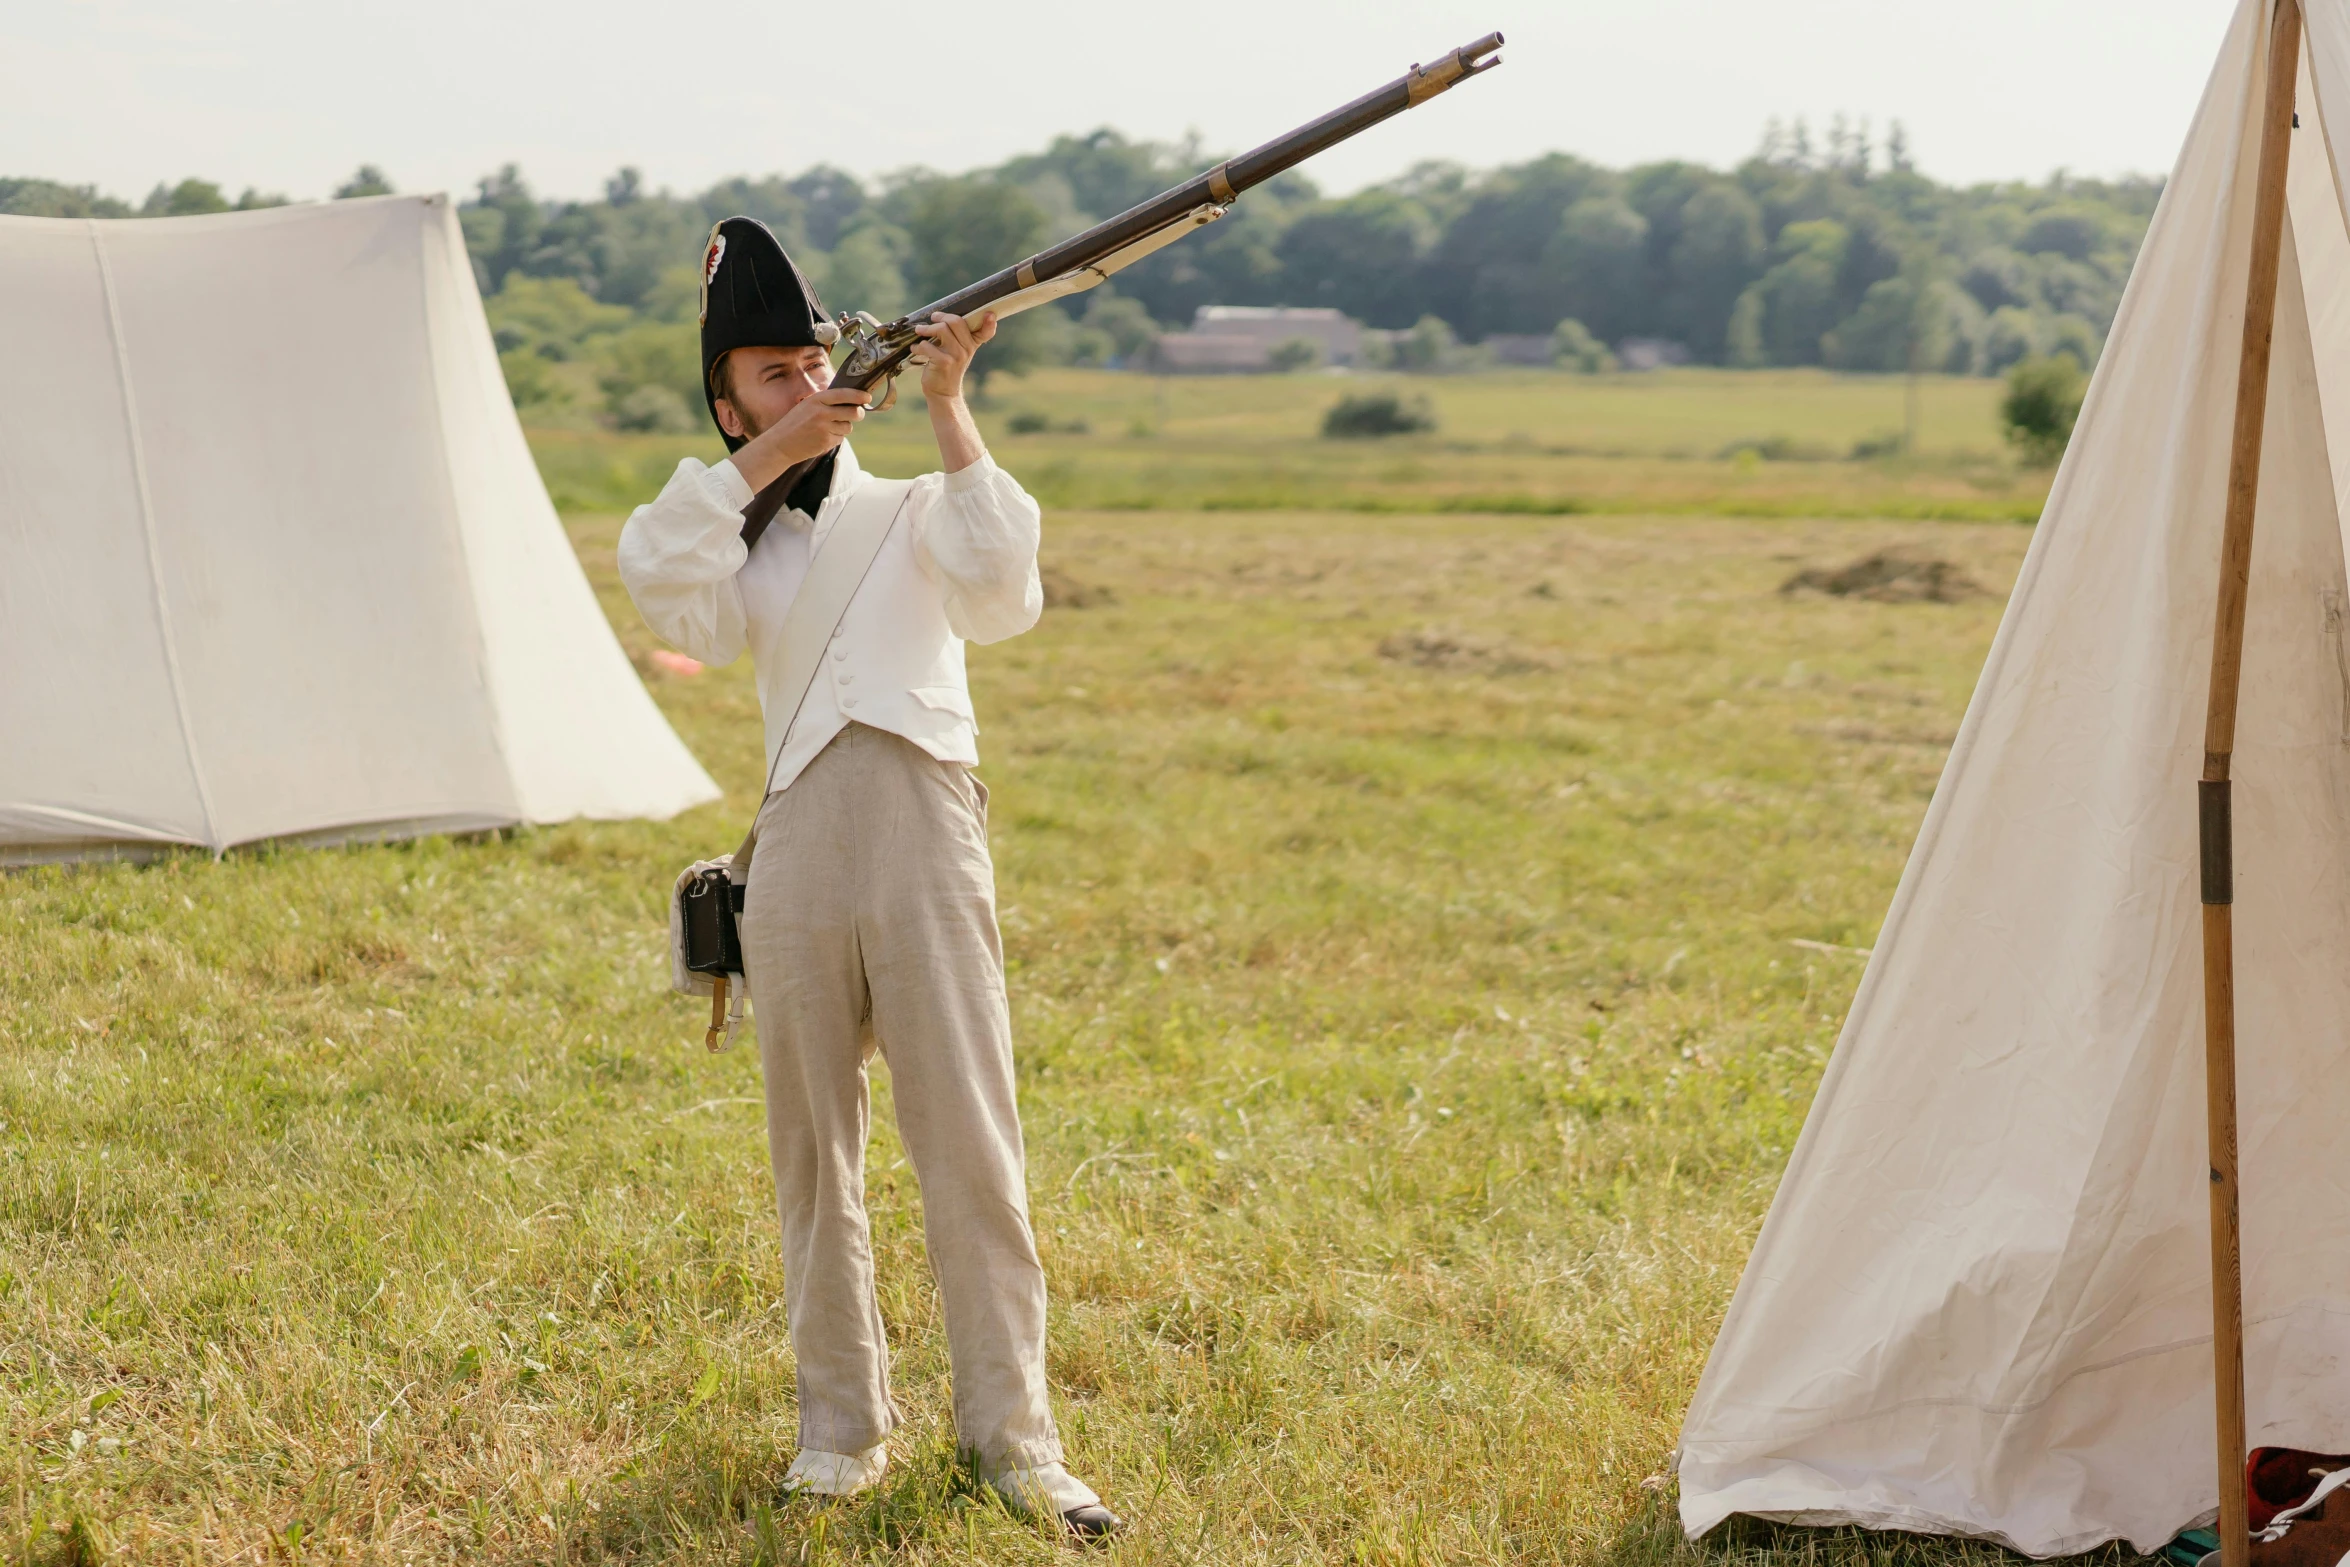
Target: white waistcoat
point(959, 563)
point(893, 664)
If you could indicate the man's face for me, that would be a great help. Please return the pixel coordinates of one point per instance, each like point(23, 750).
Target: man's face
point(764, 384)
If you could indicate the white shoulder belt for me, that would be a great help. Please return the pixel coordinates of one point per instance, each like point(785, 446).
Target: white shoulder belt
point(834, 575)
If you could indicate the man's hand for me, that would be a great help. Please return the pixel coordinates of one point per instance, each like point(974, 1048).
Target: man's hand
point(816, 424)
point(948, 342)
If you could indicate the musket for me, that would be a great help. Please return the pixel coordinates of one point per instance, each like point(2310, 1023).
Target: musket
point(877, 351)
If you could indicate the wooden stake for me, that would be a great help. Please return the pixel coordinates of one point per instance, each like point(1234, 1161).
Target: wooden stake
point(2227, 1257)
point(2214, 815)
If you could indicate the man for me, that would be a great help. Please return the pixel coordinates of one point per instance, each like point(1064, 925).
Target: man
point(871, 905)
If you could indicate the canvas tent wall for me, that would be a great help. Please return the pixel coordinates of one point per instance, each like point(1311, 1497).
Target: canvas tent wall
point(274, 559)
point(1981, 1302)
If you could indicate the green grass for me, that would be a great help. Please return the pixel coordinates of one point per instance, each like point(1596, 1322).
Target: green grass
point(1407, 1052)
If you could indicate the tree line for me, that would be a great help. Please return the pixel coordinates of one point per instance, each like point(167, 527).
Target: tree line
point(1832, 252)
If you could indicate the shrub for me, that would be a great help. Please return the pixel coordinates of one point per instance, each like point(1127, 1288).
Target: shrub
point(1428, 348)
point(1123, 321)
point(2071, 334)
point(1572, 347)
point(652, 410)
point(552, 315)
point(1375, 414)
point(1031, 421)
point(1114, 331)
point(652, 353)
point(1777, 448)
point(1043, 336)
point(1294, 353)
point(530, 381)
point(2013, 334)
point(2073, 232)
point(2043, 399)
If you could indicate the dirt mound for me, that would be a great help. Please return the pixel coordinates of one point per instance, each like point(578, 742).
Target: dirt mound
point(1890, 577)
point(1062, 591)
point(1440, 647)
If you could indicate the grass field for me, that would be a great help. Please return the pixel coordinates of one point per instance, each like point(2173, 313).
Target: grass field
point(1403, 913)
point(1760, 444)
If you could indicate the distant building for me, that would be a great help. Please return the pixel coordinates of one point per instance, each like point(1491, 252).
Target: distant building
point(1240, 339)
point(1338, 336)
point(1191, 353)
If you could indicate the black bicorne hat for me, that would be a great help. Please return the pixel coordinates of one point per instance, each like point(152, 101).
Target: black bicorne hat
point(753, 296)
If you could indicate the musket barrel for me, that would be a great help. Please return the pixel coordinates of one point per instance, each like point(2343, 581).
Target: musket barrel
point(1217, 187)
point(1227, 180)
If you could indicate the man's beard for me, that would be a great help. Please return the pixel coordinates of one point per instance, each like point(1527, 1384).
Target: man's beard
point(754, 426)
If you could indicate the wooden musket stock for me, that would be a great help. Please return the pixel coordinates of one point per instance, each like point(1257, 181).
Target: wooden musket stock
point(879, 355)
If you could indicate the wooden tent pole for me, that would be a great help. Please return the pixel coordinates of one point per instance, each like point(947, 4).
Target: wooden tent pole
point(2219, 744)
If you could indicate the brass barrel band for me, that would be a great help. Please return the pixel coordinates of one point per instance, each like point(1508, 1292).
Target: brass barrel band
point(1426, 82)
point(1220, 184)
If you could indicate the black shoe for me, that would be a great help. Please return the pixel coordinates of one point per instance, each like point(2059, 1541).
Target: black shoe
point(1093, 1524)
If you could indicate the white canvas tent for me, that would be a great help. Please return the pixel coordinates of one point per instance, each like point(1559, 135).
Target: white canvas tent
point(1982, 1302)
point(274, 559)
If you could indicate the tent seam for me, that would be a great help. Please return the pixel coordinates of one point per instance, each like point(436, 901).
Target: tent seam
point(130, 417)
point(438, 222)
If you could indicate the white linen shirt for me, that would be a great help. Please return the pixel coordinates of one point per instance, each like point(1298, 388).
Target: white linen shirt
point(960, 565)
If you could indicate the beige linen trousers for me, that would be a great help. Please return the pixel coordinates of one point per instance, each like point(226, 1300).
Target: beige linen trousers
point(872, 899)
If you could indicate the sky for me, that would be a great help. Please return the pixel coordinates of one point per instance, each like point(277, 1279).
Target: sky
point(291, 97)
